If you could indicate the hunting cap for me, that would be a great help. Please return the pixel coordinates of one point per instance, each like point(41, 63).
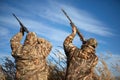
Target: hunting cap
point(92, 42)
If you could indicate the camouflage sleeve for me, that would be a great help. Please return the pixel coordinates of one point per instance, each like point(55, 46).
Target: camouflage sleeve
point(15, 41)
point(68, 43)
point(46, 46)
point(68, 46)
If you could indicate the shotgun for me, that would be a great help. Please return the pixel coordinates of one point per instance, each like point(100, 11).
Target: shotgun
point(23, 27)
point(80, 35)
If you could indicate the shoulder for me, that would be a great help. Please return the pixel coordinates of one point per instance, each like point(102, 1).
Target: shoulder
point(44, 41)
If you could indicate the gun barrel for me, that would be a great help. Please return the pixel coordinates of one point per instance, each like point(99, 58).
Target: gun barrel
point(16, 17)
point(80, 35)
point(18, 20)
point(25, 29)
point(67, 15)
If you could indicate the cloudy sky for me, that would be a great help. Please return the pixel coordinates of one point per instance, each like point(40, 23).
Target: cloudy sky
point(99, 19)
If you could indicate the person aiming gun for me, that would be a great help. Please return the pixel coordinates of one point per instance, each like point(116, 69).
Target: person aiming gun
point(30, 57)
point(80, 61)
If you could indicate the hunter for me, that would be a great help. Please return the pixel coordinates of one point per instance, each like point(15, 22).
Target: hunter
point(30, 57)
point(80, 61)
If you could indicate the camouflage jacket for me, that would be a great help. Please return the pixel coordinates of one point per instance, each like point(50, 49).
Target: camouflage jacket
point(80, 61)
point(30, 57)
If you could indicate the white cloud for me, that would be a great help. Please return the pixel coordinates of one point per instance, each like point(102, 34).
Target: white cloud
point(52, 12)
point(84, 20)
point(3, 32)
point(7, 20)
point(45, 30)
point(2, 55)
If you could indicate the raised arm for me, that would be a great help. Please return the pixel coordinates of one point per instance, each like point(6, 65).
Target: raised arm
point(15, 41)
point(72, 24)
point(23, 28)
point(68, 45)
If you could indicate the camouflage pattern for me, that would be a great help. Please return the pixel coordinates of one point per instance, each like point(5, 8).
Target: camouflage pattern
point(80, 61)
point(30, 57)
point(2, 74)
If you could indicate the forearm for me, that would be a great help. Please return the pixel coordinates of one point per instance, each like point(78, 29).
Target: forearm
point(70, 38)
point(15, 41)
point(68, 46)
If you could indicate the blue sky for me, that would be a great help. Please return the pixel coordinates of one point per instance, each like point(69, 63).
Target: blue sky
point(99, 19)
